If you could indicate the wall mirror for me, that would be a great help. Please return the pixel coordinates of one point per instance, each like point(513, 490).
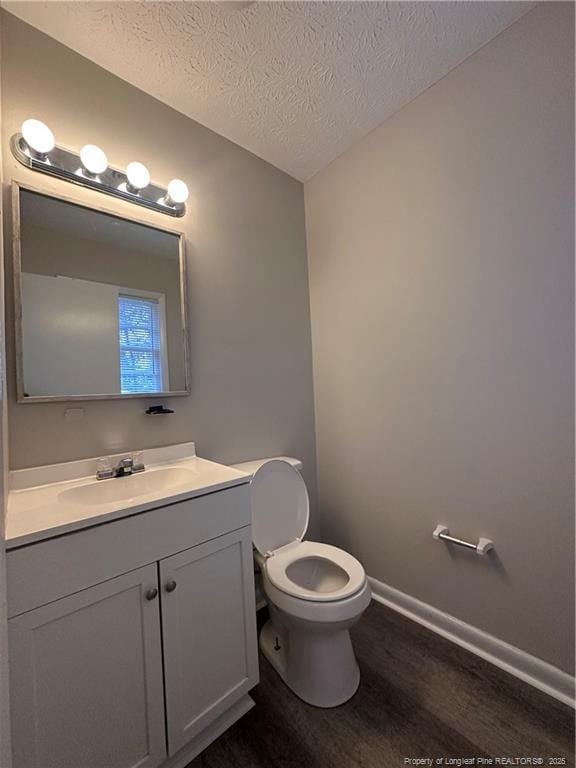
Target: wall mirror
point(100, 303)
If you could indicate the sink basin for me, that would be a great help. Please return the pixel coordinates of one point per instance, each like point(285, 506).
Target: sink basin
point(147, 483)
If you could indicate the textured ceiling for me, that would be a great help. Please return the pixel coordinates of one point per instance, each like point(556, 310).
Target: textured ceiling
point(297, 83)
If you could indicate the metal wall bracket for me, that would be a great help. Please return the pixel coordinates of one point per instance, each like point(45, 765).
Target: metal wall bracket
point(65, 164)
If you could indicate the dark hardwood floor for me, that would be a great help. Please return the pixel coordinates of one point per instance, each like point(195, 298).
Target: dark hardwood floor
point(420, 697)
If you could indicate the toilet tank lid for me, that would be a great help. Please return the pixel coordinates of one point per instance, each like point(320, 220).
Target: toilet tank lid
point(250, 467)
point(280, 506)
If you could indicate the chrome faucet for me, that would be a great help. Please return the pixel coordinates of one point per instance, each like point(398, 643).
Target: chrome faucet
point(125, 467)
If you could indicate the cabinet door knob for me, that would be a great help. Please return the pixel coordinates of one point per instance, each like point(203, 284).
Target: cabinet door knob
point(151, 593)
point(170, 586)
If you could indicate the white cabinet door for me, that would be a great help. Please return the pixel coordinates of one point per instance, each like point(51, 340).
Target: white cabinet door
point(86, 678)
point(209, 632)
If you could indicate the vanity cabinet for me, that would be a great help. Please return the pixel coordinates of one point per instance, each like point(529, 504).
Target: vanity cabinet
point(208, 631)
point(141, 669)
point(86, 678)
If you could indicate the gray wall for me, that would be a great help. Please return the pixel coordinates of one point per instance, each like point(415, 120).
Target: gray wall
point(248, 287)
point(441, 277)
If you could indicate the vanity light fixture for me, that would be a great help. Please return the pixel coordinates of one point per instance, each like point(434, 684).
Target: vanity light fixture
point(38, 138)
point(94, 160)
point(36, 149)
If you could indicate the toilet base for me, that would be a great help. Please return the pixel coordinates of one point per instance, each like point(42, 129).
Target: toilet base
point(319, 666)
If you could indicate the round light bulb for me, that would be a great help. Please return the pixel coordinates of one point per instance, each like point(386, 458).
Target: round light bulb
point(177, 191)
point(138, 175)
point(93, 159)
point(37, 136)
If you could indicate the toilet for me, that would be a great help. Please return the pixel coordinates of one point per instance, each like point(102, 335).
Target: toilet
point(315, 592)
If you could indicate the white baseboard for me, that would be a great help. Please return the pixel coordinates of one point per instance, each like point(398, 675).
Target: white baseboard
point(530, 669)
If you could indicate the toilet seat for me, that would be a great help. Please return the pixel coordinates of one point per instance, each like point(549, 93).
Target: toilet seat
point(303, 570)
point(318, 612)
point(317, 572)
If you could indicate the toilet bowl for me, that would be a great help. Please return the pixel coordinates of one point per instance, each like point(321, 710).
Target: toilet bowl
point(315, 592)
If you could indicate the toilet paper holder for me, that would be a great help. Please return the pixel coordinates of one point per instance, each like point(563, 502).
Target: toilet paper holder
point(483, 546)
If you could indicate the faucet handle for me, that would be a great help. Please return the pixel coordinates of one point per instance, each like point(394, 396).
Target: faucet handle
point(138, 461)
point(104, 468)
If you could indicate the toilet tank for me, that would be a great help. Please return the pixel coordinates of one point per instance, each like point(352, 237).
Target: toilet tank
point(251, 466)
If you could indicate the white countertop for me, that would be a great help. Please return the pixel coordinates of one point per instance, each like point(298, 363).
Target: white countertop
point(40, 505)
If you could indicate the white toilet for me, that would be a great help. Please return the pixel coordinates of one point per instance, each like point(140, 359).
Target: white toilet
point(316, 592)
